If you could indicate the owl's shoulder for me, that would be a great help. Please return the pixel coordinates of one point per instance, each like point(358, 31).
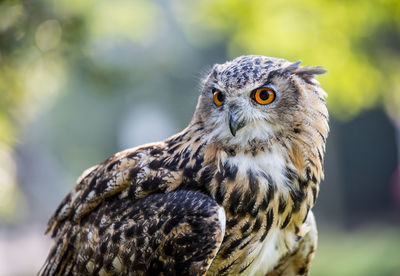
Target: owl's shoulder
point(118, 175)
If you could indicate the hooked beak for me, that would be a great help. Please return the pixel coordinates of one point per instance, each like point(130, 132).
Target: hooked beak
point(234, 123)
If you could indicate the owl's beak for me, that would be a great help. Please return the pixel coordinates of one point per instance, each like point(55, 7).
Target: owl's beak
point(235, 123)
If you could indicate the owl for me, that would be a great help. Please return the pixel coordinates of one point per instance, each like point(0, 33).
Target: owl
point(230, 194)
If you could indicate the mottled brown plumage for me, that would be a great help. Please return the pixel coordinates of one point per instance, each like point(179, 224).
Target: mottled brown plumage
point(230, 194)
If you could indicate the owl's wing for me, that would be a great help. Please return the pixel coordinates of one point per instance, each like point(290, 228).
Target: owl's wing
point(174, 233)
point(125, 215)
point(132, 173)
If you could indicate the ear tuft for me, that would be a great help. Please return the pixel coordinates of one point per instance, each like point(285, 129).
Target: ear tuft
point(292, 67)
point(310, 71)
point(306, 72)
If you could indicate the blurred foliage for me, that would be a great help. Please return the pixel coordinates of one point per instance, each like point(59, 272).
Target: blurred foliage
point(34, 48)
point(33, 54)
point(357, 41)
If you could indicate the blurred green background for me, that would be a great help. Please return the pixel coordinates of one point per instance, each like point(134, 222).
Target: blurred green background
point(80, 80)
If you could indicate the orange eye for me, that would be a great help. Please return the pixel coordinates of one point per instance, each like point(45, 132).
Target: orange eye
point(264, 95)
point(218, 97)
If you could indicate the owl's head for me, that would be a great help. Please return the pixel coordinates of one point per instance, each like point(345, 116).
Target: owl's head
point(254, 98)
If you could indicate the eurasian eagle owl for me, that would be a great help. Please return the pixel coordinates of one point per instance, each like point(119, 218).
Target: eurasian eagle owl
point(230, 194)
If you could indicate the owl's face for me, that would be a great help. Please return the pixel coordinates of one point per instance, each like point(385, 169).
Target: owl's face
point(253, 98)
